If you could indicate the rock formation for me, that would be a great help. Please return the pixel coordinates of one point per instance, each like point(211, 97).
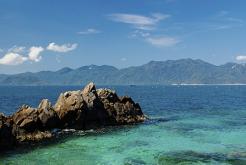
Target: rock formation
point(83, 109)
point(7, 139)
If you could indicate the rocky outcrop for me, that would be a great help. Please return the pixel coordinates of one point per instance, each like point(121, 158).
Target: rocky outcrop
point(47, 115)
point(79, 110)
point(7, 138)
point(70, 107)
point(26, 119)
point(121, 110)
point(96, 115)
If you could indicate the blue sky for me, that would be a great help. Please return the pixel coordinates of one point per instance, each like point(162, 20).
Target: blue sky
point(48, 35)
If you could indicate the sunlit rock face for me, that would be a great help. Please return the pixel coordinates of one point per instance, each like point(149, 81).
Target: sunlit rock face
point(70, 107)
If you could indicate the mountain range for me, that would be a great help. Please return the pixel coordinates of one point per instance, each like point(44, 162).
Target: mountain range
point(183, 71)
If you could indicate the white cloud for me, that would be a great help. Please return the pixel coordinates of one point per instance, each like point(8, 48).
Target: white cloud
point(123, 59)
point(61, 48)
point(14, 55)
point(139, 33)
point(142, 23)
point(17, 49)
point(12, 59)
point(15, 58)
point(241, 58)
point(139, 21)
point(162, 41)
point(34, 53)
point(89, 31)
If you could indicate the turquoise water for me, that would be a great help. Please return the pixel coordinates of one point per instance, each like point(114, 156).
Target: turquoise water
point(188, 125)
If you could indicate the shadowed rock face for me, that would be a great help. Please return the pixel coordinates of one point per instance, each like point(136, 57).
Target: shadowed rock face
point(82, 109)
point(121, 110)
point(96, 115)
point(47, 115)
point(6, 137)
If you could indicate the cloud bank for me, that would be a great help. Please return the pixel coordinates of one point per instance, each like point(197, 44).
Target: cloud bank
point(14, 55)
point(12, 59)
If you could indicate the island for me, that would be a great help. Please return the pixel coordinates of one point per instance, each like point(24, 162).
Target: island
point(85, 109)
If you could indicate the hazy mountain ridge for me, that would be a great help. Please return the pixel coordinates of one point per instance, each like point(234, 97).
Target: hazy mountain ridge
point(184, 71)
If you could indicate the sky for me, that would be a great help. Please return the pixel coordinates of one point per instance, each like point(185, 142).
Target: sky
point(40, 35)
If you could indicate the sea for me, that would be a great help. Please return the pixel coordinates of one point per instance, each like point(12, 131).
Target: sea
point(195, 124)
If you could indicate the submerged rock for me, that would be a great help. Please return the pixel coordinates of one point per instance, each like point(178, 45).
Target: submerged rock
point(191, 157)
point(36, 136)
point(78, 110)
point(130, 161)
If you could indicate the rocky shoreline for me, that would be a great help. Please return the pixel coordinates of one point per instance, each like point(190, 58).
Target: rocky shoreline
point(85, 109)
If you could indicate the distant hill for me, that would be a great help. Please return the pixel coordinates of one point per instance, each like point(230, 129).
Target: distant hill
point(184, 71)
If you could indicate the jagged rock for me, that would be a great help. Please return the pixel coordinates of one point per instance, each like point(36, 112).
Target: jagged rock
point(47, 115)
point(96, 115)
point(128, 111)
point(82, 109)
point(6, 137)
point(90, 97)
point(70, 108)
point(120, 110)
point(45, 104)
point(107, 94)
point(27, 119)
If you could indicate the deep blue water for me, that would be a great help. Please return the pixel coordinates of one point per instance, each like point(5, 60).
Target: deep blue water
point(189, 124)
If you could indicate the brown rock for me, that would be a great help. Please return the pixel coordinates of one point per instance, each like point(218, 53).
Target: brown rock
point(107, 94)
point(36, 136)
point(44, 104)
point(120, 110)
point(128, 111)
point(90, 96)
point(27, 119)
point(47, 115)
point(70, 108)
point(96, 115)
point(83, 109)
point(7, 139)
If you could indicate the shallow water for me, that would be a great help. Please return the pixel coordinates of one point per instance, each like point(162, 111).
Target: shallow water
point(188, 125)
